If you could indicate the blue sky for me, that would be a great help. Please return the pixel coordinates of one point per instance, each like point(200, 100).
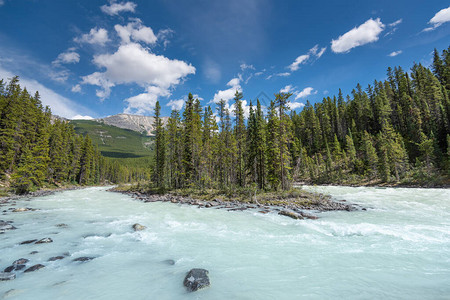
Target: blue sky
point(98, 58)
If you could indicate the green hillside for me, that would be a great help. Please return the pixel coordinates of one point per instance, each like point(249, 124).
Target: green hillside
point(115, 142)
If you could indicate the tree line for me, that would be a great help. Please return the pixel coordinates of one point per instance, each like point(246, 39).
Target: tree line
point(37, 149)
point(396, 130)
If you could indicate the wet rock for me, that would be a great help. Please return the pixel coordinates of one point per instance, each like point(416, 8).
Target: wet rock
point(307, 216)
point(138, 227)
point(34, 252)
point(264, 211)
point(5, 276)
point(84, 258)
point(20, 261)
point(54, 258)
point(196, 279)
point(9, 269)
point(34, 268)
point(290, 214)
point(28, 242)
point(169, 262)
point(21, 209)
point(62, 225)
point(44, 241)
point(6, 226)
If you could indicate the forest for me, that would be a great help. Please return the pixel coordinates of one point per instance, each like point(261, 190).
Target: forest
point(395, 131)
point(40, 150)
point(392, 132)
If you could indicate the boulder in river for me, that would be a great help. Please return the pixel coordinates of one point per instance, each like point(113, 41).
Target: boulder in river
point(290, 214)
point(20, 261)
point(196, 279)
point(62, 225)
point(34, 268)
point(84, 258)
point(28, 242)
point(54, 258)
point(4, 276)
point(44, 241)
point(138, 227)
point(169, 262)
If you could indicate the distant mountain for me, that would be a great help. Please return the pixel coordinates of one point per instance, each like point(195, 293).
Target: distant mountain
point(141, 124)
point(115, 142)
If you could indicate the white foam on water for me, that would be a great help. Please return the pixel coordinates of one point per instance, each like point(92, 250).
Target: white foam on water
point(399, 248)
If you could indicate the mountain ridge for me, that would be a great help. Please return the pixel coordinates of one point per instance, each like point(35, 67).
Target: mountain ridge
point(141, 124)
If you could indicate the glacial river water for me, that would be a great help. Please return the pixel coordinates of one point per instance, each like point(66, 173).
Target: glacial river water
point(398, 249)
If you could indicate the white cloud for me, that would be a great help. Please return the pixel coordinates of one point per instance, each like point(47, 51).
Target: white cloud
point(80, 117)
point(314, 52)
point(136, 31)
point(76, 88)
point(59, 76)
point(294, 105)
point(395, 53)
point(95, 36)
point(244, 66)
point(299, 60)
point(176, 104)
point(116, 8)
point(164, 35)
point(2, 2)
point(365, 33)
point(59, 104)
point(145, 102)
point(228, 94)
point(441, 17)
point(287, 89)
point(132, 63)
point(284, 74)
point(394, 24)
point(258, 73)
point(305, 93)
point(68, 57)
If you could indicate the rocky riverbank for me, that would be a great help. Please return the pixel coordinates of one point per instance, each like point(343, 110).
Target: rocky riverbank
point(294, 207)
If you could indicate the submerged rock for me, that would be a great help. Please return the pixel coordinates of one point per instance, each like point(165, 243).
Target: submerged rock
point(22, 209)
point(62, 225)
point(56, 258)
point(84, 258)
point(169, 262)
point(290, 214)
point(4, 276)
point(34, 252)
point(196, 279)
point(138, 227)
point(34, 268)
point(28, 242)
point(44, 241)
point(20, 261)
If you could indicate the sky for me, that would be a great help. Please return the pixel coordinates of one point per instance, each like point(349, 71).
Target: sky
point(92, 59)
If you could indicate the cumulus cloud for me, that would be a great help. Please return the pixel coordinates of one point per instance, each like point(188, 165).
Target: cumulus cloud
point(287, 89)
point(294, 105)
point(115, 8)
point(305, 93)
point(365, 33)
point(145, 102)
point(313, 53)
point(132, 63)
point(164, 35)
point(68, 57)
point(95, 36)
point(441, 17)
point(395, 53)
point(135, 31)
point(228, 94)
point(176, 104)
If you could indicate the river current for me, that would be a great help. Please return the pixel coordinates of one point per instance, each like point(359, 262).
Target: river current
point(399, 248)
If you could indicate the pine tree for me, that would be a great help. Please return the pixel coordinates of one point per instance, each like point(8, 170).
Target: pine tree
point(160, 154)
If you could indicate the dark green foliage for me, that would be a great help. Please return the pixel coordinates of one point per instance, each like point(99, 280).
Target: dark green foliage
point(37, 150)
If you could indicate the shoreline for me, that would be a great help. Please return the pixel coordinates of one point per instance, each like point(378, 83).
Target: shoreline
point(376, 185)
point(39, 193)
point(292, 208)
